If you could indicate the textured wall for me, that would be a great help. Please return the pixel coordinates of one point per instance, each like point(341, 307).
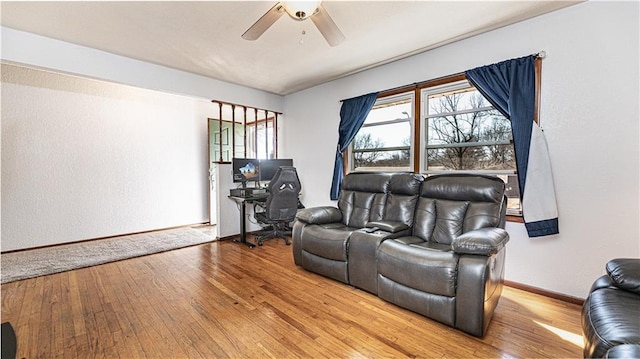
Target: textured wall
point(33, 50)
point(84, 159)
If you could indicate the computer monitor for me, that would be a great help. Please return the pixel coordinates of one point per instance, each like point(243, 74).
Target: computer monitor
point(268, 168)
point(245, 169)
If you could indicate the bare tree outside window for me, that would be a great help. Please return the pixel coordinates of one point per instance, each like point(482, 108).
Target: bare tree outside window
point(366, 142)
point(502, 156)
point(383, 142)
point(371, 153)
point(466, 133)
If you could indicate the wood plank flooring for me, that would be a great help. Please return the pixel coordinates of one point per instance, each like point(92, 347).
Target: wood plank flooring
point(224, 300)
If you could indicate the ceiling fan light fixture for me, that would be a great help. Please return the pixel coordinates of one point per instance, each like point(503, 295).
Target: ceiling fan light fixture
point(300, 10)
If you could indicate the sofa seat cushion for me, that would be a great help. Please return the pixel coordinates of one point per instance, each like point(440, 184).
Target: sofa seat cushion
point(610, 318)
point(419, 266)
point(327, 241)
point(438, 307)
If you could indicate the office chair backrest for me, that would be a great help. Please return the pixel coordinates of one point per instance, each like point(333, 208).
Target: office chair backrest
point(284, 188)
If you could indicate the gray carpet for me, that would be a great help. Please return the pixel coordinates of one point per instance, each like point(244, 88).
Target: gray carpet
point(43, 261)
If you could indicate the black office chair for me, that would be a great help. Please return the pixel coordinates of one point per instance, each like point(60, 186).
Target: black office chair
point(280, 207)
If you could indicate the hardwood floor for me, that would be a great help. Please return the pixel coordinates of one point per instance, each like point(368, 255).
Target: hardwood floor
point(223, 300)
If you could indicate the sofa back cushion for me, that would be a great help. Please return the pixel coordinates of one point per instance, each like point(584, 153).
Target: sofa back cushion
point(404, 189)
point(363, 197)
point(450, 205)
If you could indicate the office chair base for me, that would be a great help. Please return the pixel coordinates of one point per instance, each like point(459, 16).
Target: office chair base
point(261, 241)
point(273, 233)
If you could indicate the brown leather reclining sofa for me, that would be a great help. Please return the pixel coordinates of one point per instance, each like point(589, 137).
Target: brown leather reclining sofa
point(435, 246)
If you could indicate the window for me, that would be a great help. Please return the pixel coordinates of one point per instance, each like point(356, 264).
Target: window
point(458, 131)
point(243, 132)
point(463, 132)
point(384, 141)
point(260, 138)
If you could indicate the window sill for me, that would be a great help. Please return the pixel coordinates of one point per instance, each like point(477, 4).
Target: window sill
point(514, 218)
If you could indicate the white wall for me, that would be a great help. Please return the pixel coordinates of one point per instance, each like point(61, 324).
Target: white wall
point(83, 159)
point(589, 111)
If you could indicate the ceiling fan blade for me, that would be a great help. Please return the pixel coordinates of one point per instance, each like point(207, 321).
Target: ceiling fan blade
point(268, 19)
point(327, 27)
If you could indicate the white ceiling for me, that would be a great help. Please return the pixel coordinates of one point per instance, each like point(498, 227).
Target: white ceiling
point(203, 37)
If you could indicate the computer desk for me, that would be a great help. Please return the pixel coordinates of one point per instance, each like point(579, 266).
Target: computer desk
point(242, 201)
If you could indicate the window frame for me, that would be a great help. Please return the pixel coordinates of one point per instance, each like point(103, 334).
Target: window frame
point(424, 116)
point(416, 151)
point(381, 102)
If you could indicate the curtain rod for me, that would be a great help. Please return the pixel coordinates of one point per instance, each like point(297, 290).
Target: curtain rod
point(416, 85)
point(541, 55)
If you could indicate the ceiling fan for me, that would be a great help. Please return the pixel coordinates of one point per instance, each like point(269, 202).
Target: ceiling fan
point(298, 10)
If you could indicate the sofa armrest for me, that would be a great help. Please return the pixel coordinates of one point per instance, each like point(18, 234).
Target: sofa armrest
point(625, 273)
point(388, 226)
point(484, 241)
point(623, 351)
point(600, 283)
point(319, 215)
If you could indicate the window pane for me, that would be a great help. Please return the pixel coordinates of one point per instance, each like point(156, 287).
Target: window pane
point(513, 194)
point(390, 135)
point(463, 132)
point(380, 160)
point(270, 140)
point(255, 140)
point(384, 141)
point(251, 141)
point(239, 141)
point(261, 144)
point(390, 111)
point(460, 100)
point(481, 126)
point(473, 158)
